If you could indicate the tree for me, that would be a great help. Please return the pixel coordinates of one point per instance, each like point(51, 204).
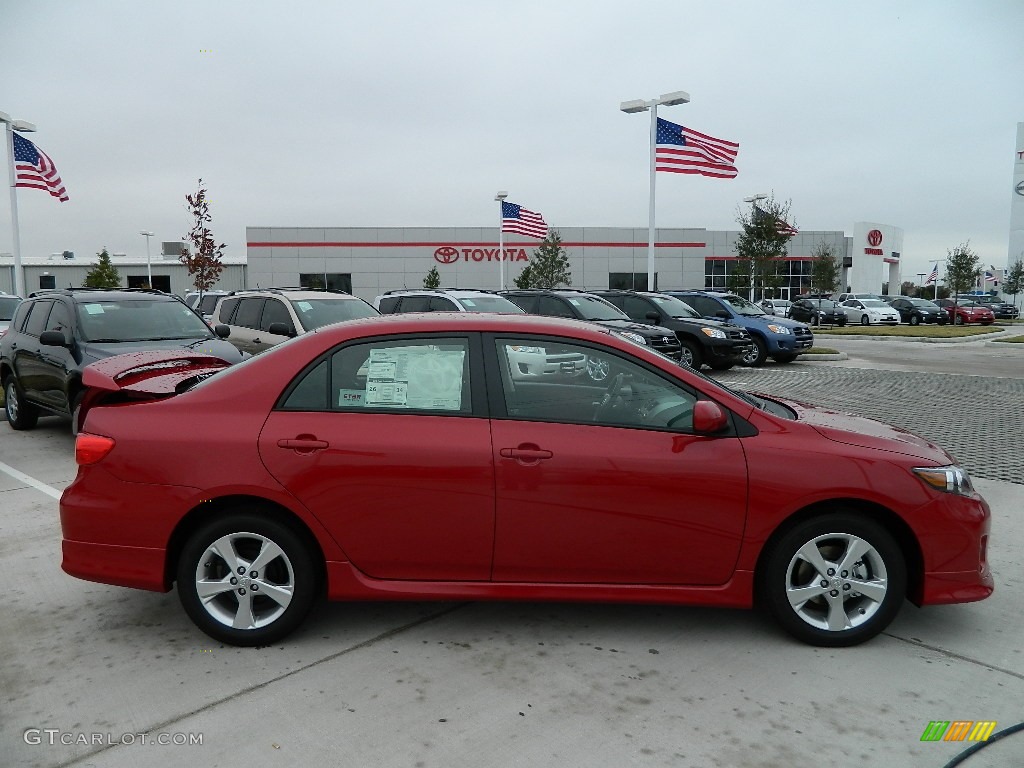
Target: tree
point(962, 270)
point(103, 274)
point(762, 244)
point(1013, 283)
point(824, 268)
point(908, 288)
point(203, 259)
point(549, 265)
point(433, 278)
point(739, 279)
point(523, 281)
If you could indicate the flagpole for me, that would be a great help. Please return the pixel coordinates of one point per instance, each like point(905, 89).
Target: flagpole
point(650, 212)
point(19, 274)
point(500, 197)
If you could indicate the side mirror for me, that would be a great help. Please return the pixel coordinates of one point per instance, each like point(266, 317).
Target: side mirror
point(653, 316)
point(721, 314)
point(222, 331)
point(708, 418)
point(53, 339)
point(281, 329)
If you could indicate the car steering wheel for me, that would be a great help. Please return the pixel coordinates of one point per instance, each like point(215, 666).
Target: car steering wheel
point(612, 397)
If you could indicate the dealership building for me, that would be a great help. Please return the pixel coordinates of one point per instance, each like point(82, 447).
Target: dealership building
point(369, 261)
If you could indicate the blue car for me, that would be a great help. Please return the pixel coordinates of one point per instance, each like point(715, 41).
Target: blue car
point(775, 337)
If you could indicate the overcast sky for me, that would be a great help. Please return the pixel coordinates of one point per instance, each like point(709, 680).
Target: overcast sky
point(344, 114)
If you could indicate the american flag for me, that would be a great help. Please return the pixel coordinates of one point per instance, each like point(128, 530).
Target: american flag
point(34, 169)
point(990, 274)
point(684, 150)
point(515, 218)
point(934, 275)
point(782, 226)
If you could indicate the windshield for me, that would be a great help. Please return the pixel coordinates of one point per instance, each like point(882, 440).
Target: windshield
point(823, 303)
point(316, 313)
point(498, 304)
point(923, 304)
point(673, 307)
point(593, 308)
point(874, 303)
point(7, 306)
point(140, 320)
point(743, 307)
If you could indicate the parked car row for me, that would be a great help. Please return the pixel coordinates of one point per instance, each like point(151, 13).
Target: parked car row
point(871, 309)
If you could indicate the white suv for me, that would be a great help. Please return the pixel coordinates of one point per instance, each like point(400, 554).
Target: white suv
point(261, 318)
point(525, 362)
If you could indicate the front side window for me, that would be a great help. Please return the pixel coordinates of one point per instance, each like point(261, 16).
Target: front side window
point(275, 311)
point(610, 391)
point(405, 375)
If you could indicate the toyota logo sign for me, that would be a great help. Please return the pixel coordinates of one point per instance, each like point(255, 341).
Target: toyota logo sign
point(446, 254)
point(874, 238)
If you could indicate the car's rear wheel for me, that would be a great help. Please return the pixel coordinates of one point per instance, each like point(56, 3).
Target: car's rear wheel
point(834, 580)
point(690, 355)
point(20, 415)
point(958, 320)
point(246, 579)
point(757, 354)
point(915, 320)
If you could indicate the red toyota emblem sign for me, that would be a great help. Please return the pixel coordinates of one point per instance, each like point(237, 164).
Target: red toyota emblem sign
point(446, 254)
point(874, 238)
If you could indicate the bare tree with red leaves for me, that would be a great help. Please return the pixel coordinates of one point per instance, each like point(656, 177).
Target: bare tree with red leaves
point(202, 259)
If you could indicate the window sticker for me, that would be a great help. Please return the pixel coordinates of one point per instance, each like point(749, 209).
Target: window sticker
point(574, 302)
point(468, 302)
point(94, 309)
point(421, 376)
point(305, 306)
point(351, 397)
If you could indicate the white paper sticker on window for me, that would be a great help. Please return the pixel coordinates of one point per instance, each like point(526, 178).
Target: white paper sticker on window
point(421, 376)
point(305, 306)
point(94, 309)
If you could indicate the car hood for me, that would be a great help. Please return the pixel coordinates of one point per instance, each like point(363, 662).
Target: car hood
point(92, 351)
point(785, 322)
point(848, 429)
point(708, 323)
point(629, 325)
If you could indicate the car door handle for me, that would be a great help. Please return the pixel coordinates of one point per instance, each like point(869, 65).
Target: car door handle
point(529, 453)
point(303, 444)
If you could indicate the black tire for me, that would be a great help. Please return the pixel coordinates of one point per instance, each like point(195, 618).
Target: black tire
point(690, 355)
point(915, 320)
point(785, 576)
point(815, 321)
point(721, 365)
point(784, 358)
point(291, 571)
point(865, 320)
point(958, 320)
point(20, 415)
point(756, 357)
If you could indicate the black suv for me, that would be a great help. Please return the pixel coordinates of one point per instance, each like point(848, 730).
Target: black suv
point(714, 343)
point(580, 305)
point(55, 334)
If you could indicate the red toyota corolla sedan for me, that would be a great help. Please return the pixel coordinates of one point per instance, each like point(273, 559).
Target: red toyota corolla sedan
point(400, 457)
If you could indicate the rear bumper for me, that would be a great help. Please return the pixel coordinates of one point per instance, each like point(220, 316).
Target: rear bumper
point(136, 567)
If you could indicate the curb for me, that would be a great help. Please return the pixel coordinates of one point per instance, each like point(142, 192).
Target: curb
point(918, 339)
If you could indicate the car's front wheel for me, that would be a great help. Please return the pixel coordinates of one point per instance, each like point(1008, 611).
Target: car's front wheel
point(690, 355)
point(834, 580)
point(20, 414)
point(865, 320)
point(958, 320)
point(756, 355)
point(246, 579)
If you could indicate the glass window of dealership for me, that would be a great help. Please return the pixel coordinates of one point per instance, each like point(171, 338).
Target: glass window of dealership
point(369, 261)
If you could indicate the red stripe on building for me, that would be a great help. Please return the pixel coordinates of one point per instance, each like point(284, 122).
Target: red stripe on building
point(439, 243)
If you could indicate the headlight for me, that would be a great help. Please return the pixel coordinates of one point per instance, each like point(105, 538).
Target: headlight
point(714, 333)
point(946, 479)
point(636, 338)
point(779, 329)
point(534, 350)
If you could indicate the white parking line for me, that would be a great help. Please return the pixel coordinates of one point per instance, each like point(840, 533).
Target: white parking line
point(30, 481)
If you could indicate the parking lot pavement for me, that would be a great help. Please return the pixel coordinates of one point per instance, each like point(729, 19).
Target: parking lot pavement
point(490, 684)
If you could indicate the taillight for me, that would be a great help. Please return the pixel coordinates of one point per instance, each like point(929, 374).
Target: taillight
point(90, 449)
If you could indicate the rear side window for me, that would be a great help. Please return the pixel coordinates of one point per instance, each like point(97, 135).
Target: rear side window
point(388, 304)
point(248, 313)
point(37, 320)
point(227, 308)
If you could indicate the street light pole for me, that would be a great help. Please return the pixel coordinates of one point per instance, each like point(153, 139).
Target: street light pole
point(642, 105)
point(753, 200)
point(10, 126)
point(149, 267)
point(920, 277)
point(499, 197)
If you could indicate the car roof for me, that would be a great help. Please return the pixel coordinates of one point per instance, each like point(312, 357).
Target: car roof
point(455, 322)
point(456, 292)
point(105, 294)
